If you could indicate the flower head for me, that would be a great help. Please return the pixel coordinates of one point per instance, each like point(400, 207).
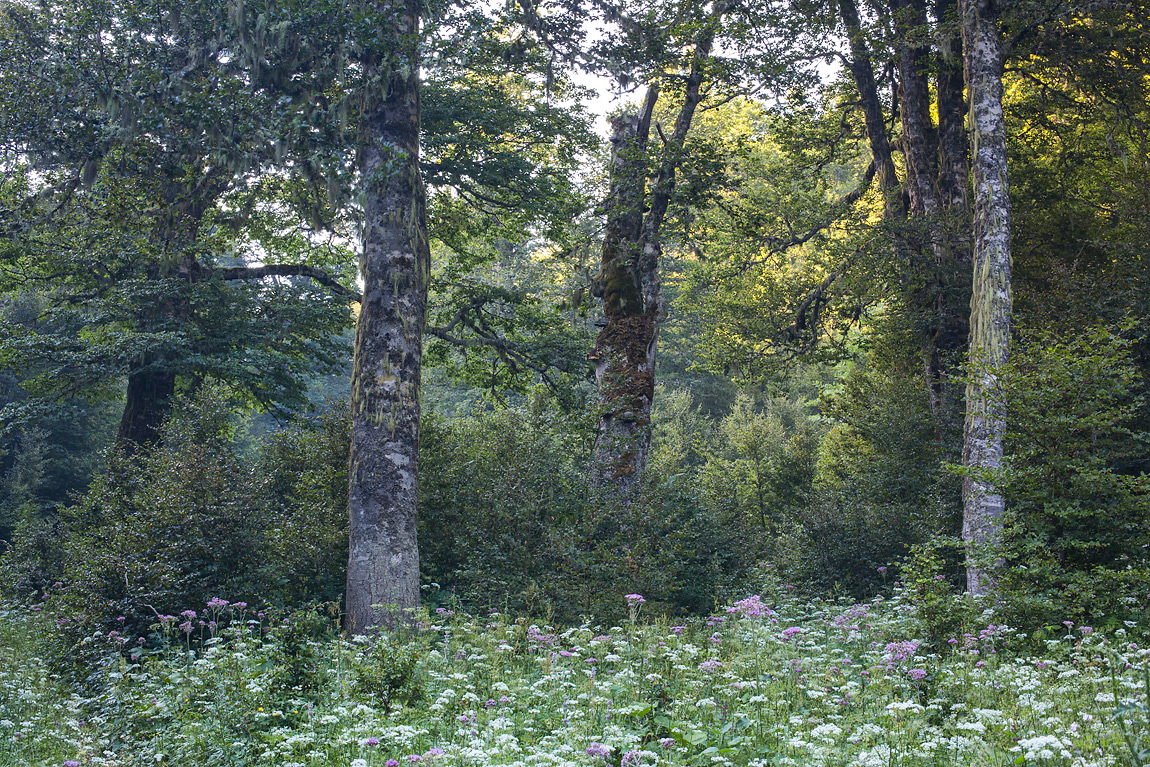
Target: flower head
point(598, 749)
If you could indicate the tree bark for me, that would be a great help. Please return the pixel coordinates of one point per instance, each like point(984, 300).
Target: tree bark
point(990, 302)
point(383, 564)
point(930, 248)
point(952, 335)
point(862, 72)
point(151, 391)
point(920, 139)
point(624, 353)
point(952, 145)
point(633, 306)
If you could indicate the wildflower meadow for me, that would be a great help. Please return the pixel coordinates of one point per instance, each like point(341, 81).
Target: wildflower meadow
point(767, 680)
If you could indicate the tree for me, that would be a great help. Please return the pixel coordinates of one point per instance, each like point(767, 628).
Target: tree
point(383, 564)
point(139, 138)
point(624, 353)
point(990, 305)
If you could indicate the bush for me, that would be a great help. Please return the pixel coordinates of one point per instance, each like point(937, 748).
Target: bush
point(169, 529)
point(508, 520)
point(1077, 523)
point(880, 486)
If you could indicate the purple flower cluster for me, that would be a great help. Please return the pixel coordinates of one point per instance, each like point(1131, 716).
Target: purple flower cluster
point(598, 749)
point(900, 651)
point(751, 607)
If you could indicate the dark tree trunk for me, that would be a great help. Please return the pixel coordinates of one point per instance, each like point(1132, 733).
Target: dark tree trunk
point(990, 303)
point(624, 354)
point(920, 139)
point(383, 565)
point(862, 72)
point(151, 391)
point(928, 247)
point(952, 335)
point(954, 169)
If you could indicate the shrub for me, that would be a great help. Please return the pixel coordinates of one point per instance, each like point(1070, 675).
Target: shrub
point(1077, 522)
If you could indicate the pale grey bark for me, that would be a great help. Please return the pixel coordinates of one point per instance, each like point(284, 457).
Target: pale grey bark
point(990, 302)
point(383, 564)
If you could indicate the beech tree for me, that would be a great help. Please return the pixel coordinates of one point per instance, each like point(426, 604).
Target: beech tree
point(383, 564)
point(990, 305)
point(628, 280)
point(139, 138)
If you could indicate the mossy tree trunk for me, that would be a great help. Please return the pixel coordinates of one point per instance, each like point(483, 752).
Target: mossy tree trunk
point(624, 353)
point(990, 302)
point(383, 564)
point(633, 306)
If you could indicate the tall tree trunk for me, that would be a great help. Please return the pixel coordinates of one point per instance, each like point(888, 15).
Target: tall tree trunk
point(990, 301)
point(149, 400)
point(952, 337)
point(952, 144)
point(931, 248)
point(920, 139)
point(383, 564)
point(624, 354)
point(862, 72)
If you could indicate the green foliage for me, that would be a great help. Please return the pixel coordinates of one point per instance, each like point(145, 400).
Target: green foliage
point(305, 468)
point(760, 471)
point(158, 533)
point(492, 487)
point(931, 576)
point(880, 484)
point(296, 671)
point(507, 520)
point(386, 673)
point(1076, 482)
point(191, 520)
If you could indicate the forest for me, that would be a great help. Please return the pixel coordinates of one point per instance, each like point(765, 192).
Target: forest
point(587, 383)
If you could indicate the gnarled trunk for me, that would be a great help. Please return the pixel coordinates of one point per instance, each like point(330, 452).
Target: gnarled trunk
point(383, 563)
point(624, 354)
point(990, 301)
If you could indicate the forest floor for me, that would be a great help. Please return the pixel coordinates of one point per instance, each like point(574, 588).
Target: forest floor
point(771, 680)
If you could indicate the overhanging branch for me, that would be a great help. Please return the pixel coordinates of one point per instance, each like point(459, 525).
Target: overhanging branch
point(283, 270)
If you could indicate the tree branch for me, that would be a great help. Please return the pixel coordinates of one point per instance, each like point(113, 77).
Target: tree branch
point(281, 270)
